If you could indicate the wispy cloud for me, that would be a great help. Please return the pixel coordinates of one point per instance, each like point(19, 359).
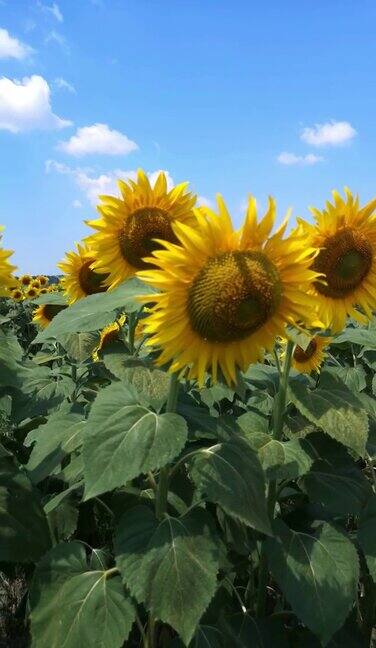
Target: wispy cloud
point(11, 47)
point(98, 138)
point(58, 38)
point(333, 133)
point(26, 105)
point(290, 159)
point(62, 84)
point(92, 185)
point(53, 10)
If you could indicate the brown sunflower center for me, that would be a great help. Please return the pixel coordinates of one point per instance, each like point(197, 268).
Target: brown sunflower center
point(50, 310)
point(233, 295)
point(345, 261)
point(302, 355)
point(90, 281)
point(139, 231)
point(109, 336)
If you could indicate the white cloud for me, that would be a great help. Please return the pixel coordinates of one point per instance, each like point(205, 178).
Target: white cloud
point(290, 159)
point(77, 204)
point(11, 47)
point(93, 185)
point(62, 84)
point(52, 165)
point(52, 9)
point(333, 133)
point(26, 105)
point(202, 201)
point(59, 39)
point(98, 138)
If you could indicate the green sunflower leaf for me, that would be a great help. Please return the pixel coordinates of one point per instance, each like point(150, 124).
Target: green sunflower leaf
point(74, 605)
point(152, 385)
point(24, 533)
point(367, 535)
point(52, 441)
point(230, 474)
point(338, 485)
point(95, 311)
point(171, 566)
point(80, 346)
point(361, 336)
point(318, 574)
point(56, 298)
point(124, 439)
point(333, 408)
point(282, 459)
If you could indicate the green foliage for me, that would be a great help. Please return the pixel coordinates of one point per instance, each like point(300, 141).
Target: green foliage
point(124, 440)
point(318, 573)
point(171, 566)
point(24, 534)
point(233, 463)
point(334, 408)
point(367, 535)
point(145, 511)
point(74, 605)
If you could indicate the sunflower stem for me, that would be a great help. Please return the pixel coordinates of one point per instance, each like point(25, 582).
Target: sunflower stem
point(161, 495)
point(278, 413)
point(164, 473)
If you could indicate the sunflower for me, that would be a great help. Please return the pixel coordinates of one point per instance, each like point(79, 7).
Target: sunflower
point(128, 226)
point(43, 291)
point(79, 279)
point(43, 315)
point(6, 270)
point(226, 295)
point(108, 334)
point(311, 358)
point(35, 284)
point(42, 280)
point(345, 235)
point(16, 294)
point(31, 292)
point(26, 280)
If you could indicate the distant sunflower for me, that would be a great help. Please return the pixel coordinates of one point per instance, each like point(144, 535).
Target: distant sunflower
point(226, 295)
point(31, 292)
point(44, 314)
point(43, 291)
point(108, 334)
point(346, 237)
point(16, 294)
point(35, 284)
point(43, 280)
point(6, 270)
point(311, 358)
point(129, 226)
point(79, 279)
point(26, 280)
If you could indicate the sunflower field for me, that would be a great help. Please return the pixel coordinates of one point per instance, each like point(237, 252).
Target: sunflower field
point(188, 430)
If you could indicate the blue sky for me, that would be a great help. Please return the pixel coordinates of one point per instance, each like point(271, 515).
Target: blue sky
point(236, 97)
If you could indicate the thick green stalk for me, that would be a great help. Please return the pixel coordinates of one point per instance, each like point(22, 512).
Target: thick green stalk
point(164, 473)
point(278, 413)
point(161, 495)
